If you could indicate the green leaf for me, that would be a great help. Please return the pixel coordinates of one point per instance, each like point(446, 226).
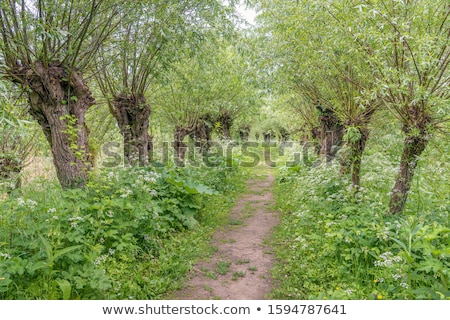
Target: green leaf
point(61, 252)
point(37, 266)
point(65, 287)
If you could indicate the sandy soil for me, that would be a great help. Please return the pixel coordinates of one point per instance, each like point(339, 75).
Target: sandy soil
point(239, 270)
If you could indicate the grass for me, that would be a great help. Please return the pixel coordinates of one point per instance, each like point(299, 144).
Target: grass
point(242, 261)
point(334, 245)
point(222, 267)
point(94, 244)
point(237, 275)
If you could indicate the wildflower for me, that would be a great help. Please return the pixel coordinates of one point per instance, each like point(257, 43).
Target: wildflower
point(31, 203)
point(153, 193)
point(404, 285)
point(51, 210)
point(5, 255)
point(112, 251)
point(20, 202)
point(379, 297)
point(396, 276)
point(126, 193)
point(349, 291)
point(337, 288)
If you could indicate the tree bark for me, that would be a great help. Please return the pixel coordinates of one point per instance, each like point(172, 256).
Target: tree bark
point(331, 133)
point(356, 153)
point(244, 133)
point(132, 114)
point(226, 121)
point(202, 135)
point(59, 100)
point(413, 148)
point(179, 146)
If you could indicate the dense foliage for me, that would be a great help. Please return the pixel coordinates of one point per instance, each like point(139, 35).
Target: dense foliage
point(123, 236)
point(333, 245)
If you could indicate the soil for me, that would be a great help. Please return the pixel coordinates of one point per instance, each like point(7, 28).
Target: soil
point(240, 268)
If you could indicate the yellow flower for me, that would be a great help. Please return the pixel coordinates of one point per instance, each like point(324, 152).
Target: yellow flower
point(337, 288)
point(375, 281)
point(379, 297)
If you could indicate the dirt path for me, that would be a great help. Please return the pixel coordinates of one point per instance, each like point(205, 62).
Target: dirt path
point(239, 270)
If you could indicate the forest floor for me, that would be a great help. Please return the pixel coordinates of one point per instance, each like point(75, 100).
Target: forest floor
point(240, 267)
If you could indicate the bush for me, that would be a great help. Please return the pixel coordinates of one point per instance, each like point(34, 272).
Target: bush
point(333, 244)
point(123, 236)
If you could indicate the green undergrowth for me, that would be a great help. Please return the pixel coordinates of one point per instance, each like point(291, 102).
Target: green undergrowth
point(333, 244)
point(132, 233)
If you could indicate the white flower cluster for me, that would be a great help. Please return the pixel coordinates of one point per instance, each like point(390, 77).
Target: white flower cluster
point(384, 234)
point(144, 180)
point(28, 203)
point(103, 257)
point(125, 193)
point(112, 176)
point(387, 260)
point(74, 221)
point(5, 255)
point(100, 259)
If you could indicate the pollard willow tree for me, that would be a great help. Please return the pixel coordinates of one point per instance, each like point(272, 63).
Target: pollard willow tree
point(150, 38)
point(407, 44)
point(46, 47)
point(317, 62)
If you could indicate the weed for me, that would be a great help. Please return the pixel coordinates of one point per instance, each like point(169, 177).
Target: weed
point(222, 267)
point(237, 274)
point(242, 261)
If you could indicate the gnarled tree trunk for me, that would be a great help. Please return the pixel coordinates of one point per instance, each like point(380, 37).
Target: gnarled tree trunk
point(356, 153)
point(413, 148)
point(59, 100)
point(226, 121)
point(244, 133)
point(202, 135)
point(179, 146)
point(331, 133)
point(132, 113)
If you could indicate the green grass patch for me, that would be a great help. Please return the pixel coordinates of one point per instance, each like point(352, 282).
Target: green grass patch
point(335, 245)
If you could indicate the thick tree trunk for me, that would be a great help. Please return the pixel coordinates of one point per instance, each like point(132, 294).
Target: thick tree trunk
point(59, 100)
point(226, 121)
point(179, 146)
point(244, 133)
point(413, 148)
point(132, 114)
point(331, 133)
point(202, 135)
point(357, 150)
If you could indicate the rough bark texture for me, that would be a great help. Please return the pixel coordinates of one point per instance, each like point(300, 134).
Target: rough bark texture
point(331, 133)
point(356, 153)
point(226, 121)
point(202, 134)
point(59, 100)
point(244, 133)
point(179, 146)
point(132, 114)
point(413, 148)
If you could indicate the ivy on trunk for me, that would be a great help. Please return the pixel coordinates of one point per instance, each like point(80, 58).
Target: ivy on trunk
point(59, 100)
